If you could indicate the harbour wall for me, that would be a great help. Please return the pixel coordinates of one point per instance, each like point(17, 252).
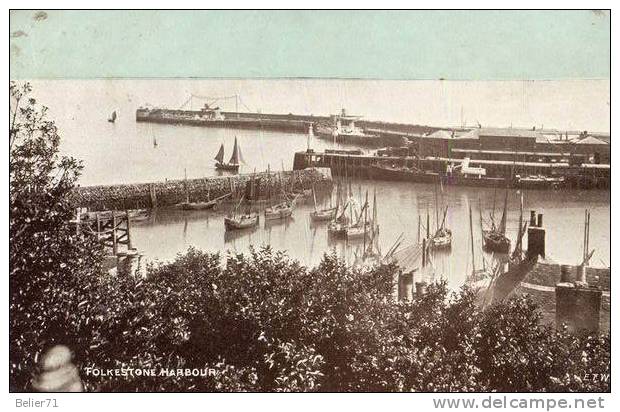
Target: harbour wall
point(253, 186)
point(586, 176)
point(278, 122)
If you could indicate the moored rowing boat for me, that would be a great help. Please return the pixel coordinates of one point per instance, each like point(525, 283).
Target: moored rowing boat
point(241, 222)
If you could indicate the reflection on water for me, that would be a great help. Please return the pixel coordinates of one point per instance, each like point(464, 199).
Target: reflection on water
point(399, 205)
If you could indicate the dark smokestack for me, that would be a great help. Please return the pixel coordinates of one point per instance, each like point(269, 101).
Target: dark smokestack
point(535, 238)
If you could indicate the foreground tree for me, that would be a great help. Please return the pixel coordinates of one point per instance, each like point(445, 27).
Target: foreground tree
point(48, 263)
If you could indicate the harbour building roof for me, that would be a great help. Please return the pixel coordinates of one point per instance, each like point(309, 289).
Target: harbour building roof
point(590, 140)
point(440, 134)
point(508, 132)
point(471, 134)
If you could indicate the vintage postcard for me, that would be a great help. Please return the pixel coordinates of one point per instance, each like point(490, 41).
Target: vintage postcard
point(310, 201)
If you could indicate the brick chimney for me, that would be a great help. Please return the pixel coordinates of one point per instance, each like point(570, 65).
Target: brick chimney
point(535, 236)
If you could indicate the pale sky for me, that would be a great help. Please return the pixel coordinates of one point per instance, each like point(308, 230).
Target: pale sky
point(561, 104)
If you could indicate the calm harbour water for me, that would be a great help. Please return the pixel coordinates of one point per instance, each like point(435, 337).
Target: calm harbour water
point(171, 231)
point(124, 153)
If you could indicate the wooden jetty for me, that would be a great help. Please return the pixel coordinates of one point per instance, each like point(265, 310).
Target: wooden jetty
point(112, 228)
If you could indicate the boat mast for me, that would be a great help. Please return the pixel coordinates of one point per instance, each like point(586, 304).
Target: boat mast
point(337, 200)
point(252, 184)
point(436, 210)
point(186, 187)
point(471, 234)
point(419, 226)
point(314, 197)
point(502, 225)
point(493, 212)
point(443, 221)
point(519, 242)
point(428, 224)
point(365, 219)
point(374, 210)
point(234, 159)
point(481, 231)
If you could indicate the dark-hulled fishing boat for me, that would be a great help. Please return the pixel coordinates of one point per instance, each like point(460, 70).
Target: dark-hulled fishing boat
point(466, 176)
point(495, 239)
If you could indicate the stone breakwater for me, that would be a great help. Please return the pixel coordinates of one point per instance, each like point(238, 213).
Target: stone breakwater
point(254, 186)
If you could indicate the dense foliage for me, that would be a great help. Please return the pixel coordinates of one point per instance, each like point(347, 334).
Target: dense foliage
point(261, 321)
point(49, 266)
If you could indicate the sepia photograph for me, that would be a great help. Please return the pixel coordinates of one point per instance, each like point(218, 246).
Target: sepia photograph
point(260, 208)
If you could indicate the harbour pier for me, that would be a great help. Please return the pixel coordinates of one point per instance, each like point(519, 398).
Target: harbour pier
point(270, 121)
point(380, 133)
point(497, 173)
point(171, 192)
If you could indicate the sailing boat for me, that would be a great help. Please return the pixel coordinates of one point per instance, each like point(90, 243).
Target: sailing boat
point(281, 210)
point(443, 236)
point(209, 204)
point(233, 163)
point(112, 117)
point(477, 275)
point(495, 239)
point(372, 250)
point(519, 265)
point(337, 227)
point(361, 228)
point(322, 215)
point(236, 221)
